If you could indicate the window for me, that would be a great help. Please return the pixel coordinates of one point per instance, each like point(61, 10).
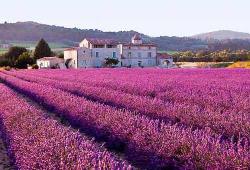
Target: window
point(129, 54)
point(98, 46)
point(150, 62)
point(110, 46)
point(96, 54)
point(140, 63)
point(139, 55)
point(149, 54)
point(114, 55)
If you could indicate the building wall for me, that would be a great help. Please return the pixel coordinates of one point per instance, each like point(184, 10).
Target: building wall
point(103, 53)
point(139, 56)
point(49, 63)
point(85, 44)
point(167, 63)
point(43, 64)
point(85, 59)
point(71, 54)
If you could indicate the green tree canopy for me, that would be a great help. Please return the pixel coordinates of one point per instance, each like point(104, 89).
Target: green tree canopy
point(23, 60)
point(42, 50)
point(13, 53)
point(111, 61)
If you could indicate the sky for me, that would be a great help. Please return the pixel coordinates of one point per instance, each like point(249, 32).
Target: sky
point(151, 17)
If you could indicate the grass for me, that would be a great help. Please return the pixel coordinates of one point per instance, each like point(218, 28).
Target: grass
point(2, 51)
point(241, 64)
point(169, 52)
point(32, 44)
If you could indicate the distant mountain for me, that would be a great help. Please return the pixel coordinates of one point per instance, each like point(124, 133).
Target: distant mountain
point(32, 31)
point(222, 35)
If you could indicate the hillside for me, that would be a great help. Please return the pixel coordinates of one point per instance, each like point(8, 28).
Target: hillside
point(28, 33)
point(222, 35)
point(32, 31)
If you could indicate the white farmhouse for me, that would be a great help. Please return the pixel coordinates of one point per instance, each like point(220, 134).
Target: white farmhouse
point(50, 62)
point(92, 53)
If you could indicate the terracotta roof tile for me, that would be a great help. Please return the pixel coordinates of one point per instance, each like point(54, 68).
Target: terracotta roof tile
point(97, 41)
point(163, 55)
point(49, 58)
point(143, 44)
point(72, 49)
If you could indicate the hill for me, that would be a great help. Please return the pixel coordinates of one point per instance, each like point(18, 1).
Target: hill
point(222, 35)
point(32, 31)
point(28, 33)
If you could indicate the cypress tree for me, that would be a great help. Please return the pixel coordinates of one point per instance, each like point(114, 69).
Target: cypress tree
point(42, 50)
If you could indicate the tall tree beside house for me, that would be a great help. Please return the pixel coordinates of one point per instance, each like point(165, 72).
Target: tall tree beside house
point(12, 55)
point(42, 50)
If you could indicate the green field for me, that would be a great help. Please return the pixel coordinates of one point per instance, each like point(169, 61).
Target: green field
point(169, 52)
point(2, 51)
point(32, 44)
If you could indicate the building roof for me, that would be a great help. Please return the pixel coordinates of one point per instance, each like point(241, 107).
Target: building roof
point(163, 56)
point(72, 49)
point(49, 58)
point(141, 45)
point(98, 41)
point(137, 37)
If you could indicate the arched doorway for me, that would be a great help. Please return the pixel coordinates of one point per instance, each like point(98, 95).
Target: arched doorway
point(67, 63)
point(166, 63)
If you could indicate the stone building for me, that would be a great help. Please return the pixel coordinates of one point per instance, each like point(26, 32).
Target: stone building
point(92, 53)
point(138, 54)
point(50, 62)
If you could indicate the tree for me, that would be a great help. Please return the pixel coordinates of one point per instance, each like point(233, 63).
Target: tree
point(13, 53)
point(23, 60)
point(42, 50)
point(61, 55)
point(111, 61)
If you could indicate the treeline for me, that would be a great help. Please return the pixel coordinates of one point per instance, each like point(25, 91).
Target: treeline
point(231, 44)
point(212, 56)
point(20, 57)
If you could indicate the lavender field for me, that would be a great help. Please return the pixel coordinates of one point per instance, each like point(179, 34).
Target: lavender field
point(126, 118)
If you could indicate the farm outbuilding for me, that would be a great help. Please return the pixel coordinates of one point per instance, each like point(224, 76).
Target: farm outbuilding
point(164, 60)
point(50, 62)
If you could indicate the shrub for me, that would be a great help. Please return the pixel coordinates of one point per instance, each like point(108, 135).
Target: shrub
point(7, 68)
point(34, 66)
point(23, 61)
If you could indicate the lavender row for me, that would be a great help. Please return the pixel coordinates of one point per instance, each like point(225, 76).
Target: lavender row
point(37, 142)
point(152, 81)
point(147, 142)
point(220, 92)
point(233, 121)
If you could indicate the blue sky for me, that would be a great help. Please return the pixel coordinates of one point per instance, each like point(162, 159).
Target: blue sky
point(151, 17)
